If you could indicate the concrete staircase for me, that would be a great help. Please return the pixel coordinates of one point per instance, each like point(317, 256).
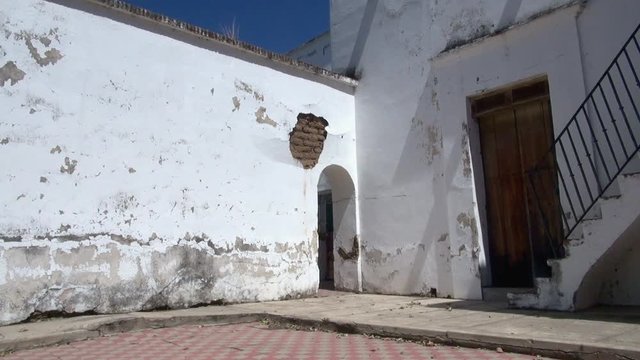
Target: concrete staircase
point(595, 158)
point(590, 254)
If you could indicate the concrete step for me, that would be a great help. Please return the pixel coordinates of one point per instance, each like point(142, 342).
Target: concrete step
point(500, 293)
point(574, 276)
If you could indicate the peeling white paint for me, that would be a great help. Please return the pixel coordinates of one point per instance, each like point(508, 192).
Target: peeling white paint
point(151, 176)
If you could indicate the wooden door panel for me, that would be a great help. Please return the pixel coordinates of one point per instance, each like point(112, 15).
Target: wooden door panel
point(516, 131)
point(536, 136)
point(509, 246)
point(532, 131)
point(514, 221)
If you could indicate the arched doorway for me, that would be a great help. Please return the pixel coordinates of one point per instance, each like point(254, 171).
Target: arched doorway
point(338, 245)
point(325, 235)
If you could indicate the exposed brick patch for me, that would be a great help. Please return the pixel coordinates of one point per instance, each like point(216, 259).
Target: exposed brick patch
point(306, 140)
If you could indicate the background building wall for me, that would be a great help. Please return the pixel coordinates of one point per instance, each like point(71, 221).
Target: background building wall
point(141, 167)
point(316, 51)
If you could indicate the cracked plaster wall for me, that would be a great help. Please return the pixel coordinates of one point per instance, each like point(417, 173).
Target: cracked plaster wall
point(421, 196)
point(140, 170)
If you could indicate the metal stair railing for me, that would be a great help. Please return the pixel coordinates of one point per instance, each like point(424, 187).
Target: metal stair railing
point(591, 151)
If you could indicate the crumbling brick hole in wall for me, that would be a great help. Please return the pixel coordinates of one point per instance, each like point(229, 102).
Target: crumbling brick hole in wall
point(306, 140)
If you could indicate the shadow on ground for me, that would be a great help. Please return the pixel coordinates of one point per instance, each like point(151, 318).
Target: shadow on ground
point(619, 314)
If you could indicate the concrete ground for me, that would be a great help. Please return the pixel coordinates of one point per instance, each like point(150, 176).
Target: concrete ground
point(601, 333)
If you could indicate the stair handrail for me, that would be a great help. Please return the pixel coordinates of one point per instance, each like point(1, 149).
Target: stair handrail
point(575, 159)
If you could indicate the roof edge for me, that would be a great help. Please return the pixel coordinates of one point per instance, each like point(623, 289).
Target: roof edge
point(252, 50)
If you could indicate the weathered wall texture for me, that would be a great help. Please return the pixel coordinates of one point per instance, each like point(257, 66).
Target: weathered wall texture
point(445, 24)
point(421, 193)
point(494, 63)
point(140, 167)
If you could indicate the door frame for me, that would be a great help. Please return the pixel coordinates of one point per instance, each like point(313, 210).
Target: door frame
point(502, 97)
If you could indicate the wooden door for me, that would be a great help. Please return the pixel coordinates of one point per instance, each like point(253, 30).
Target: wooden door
point(535, 135)
point(513, 139)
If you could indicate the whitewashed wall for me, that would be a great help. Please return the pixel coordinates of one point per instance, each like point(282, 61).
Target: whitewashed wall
point(140, 167)
point(547, 47)
point(418, 62)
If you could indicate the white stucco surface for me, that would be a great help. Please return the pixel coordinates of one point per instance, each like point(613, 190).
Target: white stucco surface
point(421, 187)
point(419, 216)
point(140, 170)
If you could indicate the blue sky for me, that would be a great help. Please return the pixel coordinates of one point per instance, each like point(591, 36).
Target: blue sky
point(276, 25)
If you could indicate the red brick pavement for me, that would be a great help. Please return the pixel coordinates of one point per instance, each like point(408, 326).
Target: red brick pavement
point(250, 341)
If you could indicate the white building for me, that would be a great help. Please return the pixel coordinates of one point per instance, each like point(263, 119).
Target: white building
point(456, 101)
point(149, 163)
point(316, 51)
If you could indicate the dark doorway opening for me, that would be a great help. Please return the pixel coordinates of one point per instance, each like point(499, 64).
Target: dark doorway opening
point(516, 131)
point(325, 237)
